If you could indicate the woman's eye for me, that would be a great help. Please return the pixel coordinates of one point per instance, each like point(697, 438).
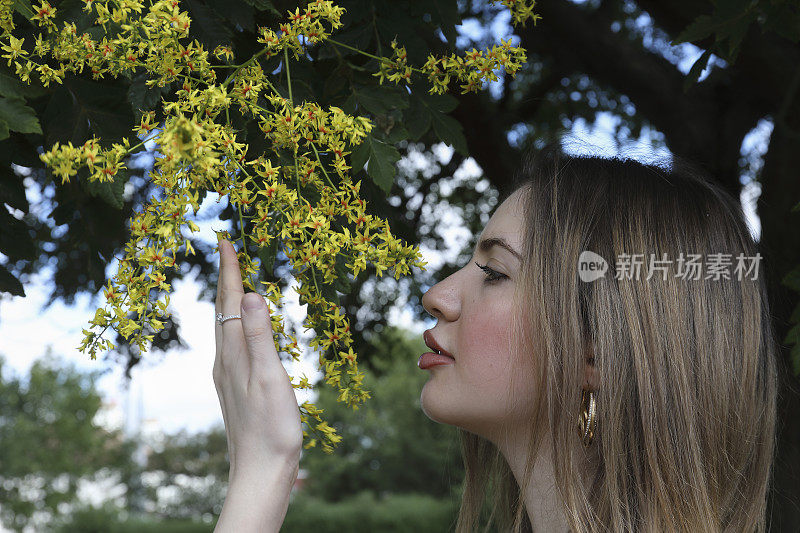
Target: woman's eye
point(491, 275)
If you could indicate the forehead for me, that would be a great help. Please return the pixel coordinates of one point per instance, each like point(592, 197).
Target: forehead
point(507, 220)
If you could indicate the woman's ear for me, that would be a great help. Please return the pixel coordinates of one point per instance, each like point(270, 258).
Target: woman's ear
point(591, 378)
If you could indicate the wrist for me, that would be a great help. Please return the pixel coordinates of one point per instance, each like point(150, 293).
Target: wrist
point(258, 497)
point(265, 473)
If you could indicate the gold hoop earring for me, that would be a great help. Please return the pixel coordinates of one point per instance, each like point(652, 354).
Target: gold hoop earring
point(587, 419)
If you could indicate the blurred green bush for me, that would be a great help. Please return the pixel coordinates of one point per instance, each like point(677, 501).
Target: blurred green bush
point(109, 519)
point(363, 513)
point(367, 513)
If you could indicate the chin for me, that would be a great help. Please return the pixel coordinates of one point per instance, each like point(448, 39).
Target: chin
point(446, 409)
point(433, 407)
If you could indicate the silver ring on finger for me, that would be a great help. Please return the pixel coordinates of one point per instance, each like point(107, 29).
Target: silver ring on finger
point(221, 319)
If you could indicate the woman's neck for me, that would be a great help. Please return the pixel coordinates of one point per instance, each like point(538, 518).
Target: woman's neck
point(541, 499)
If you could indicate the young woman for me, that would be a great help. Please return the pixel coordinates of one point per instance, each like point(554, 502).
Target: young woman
point(612, 361)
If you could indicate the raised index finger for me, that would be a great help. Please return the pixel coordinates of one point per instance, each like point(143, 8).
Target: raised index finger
point(229, 285)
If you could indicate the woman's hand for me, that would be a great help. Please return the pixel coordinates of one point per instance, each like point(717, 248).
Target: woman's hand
point(262, 419)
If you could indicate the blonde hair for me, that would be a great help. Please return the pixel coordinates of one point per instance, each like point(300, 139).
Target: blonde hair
point(686, 401)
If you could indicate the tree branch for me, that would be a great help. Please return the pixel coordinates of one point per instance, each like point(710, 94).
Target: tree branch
point(705, 124)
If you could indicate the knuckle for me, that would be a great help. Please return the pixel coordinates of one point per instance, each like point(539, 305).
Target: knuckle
point(229, 292)
point(252, 333)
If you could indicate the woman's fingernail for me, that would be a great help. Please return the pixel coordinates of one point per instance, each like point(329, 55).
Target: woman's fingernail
point(252, 301)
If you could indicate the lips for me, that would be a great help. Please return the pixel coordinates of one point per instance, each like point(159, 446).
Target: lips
point(431, 343)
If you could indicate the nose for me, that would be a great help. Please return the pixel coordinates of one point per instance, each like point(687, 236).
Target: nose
point(442, 301)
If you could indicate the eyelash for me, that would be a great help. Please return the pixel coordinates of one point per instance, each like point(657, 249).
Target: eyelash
point(492, 276)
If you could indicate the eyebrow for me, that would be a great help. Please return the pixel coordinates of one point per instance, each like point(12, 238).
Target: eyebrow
point(487, 244)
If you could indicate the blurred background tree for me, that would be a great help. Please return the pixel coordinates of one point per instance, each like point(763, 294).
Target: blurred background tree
point(50, 439)
point(617, 61)
point(389, 445)
point(395, 468)
point(188, 474)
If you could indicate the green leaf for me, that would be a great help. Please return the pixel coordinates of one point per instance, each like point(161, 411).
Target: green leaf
point(728, 24)
point(23, 7)
point(12, 190)
point(63, 122)
point(22, 150)
point(257, 142)
point(449, 17)
point(72, 11)
point(795, 315)
point(144, 98)
point(380, 99)
point(328, 291)
point(381, 164)
point(110, 192)
point(14, 243)
point(792, 279)
point(697, 68)
point(9, 283)
point(81, 106)
point(3, 130)
point(444, 103)
point(417, 118)
point(359, 155)
point(11, 86)
point(264, 5)
point(210, 29)
point(239, 13)
point(794, 356)
point(782, 18)
point(735, 36)
point(450, 131)
point(398, 133)
point(796, 208)
point(699, 28)
point(394, 21)
point(267, 254)
point(793, 337)
point(349, 106)
point(446, 128)
point(734, 17)
point(18, 116)
point(342, 283)
point(358, 37)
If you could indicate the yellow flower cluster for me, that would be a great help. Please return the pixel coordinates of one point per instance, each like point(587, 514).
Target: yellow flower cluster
point(521, 11)
point(308, 24)
point(311, 209)
point(103, 164)
point(6, 12)
point(473, 69)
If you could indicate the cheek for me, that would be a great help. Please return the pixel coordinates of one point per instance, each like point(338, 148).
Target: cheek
point(498, 370)
point(487, 342)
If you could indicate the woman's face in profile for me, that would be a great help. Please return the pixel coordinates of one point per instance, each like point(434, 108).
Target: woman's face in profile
point(474, 323)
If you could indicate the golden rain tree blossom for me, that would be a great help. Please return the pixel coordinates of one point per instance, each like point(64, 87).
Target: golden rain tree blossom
point(309, 209)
